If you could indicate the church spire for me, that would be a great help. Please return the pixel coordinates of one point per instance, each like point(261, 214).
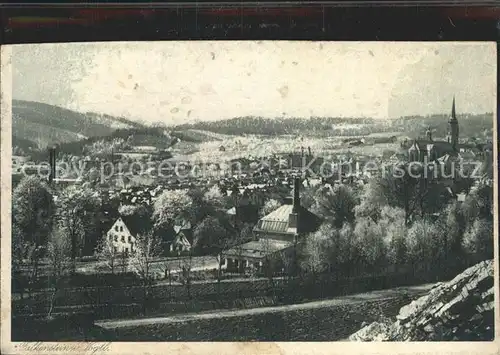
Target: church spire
point(453, 127)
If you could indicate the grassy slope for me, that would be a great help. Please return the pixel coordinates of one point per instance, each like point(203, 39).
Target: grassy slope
point(320, 324)
point(325, 320)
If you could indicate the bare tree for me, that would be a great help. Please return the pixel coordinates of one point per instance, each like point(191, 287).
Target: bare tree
point(25, 261)
point(32, 254)
point(148, 247)
point(185, 276)
point(58, 256)
point(107, 253)
point(167, 273)
point(73, 227)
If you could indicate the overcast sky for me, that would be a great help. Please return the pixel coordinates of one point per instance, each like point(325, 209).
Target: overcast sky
point(177, 82)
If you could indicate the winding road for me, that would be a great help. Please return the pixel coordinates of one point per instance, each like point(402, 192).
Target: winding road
point(337, 301)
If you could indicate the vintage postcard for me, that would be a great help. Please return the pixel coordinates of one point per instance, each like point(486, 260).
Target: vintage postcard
point(163, 196)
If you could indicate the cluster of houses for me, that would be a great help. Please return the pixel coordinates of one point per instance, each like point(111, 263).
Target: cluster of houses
point(277, 232)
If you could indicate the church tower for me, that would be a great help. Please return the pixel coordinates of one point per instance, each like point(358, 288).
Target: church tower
point(453, 127)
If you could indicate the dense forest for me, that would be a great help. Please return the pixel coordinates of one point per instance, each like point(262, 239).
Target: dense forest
point(475, 125)
point(276, 126)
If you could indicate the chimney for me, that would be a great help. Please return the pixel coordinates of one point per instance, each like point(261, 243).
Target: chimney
point(52, 163)
point(293, 218)
point(296, 194)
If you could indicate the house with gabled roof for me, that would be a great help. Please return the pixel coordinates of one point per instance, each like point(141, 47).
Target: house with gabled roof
point(122, 235)
point(183, 237)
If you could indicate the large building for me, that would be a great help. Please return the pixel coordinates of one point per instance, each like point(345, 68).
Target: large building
point(431, 149)
point(275, 234)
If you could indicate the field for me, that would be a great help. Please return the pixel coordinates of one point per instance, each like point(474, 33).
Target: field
point(262, 146)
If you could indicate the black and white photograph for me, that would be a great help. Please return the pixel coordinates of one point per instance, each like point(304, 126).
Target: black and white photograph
point(237, 191)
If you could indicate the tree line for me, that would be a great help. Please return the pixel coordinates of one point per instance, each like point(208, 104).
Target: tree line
point(273, 126)
point(398, 222)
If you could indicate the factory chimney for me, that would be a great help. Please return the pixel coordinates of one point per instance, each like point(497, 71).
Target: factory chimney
point(52, 162)
point(296, 194)
point(293, 218)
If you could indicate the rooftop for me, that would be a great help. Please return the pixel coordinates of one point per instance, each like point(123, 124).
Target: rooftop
point(278, 221)
point(258, 248)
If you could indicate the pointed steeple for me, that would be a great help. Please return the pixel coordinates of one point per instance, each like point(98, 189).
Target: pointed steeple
point(453, 113)
point(453, 127)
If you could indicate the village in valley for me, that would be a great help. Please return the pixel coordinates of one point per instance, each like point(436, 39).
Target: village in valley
point(225, 238)
point(326, 227)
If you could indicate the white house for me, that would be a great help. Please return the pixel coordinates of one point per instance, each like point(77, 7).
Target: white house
point(122, 238)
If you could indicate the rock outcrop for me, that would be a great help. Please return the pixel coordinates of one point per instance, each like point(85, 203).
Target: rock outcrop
point(461, 309)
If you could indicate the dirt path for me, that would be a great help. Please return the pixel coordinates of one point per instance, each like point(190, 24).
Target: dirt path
point(338, 301)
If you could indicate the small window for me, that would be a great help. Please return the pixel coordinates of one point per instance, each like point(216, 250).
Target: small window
point(116, 228)
point(123, 239)
point(121, 228)
point(130, 239)
point(116, 238)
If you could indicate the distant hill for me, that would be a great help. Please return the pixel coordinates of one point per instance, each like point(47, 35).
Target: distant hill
point(37, 124)
point(129, 137)
point(470, 125)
